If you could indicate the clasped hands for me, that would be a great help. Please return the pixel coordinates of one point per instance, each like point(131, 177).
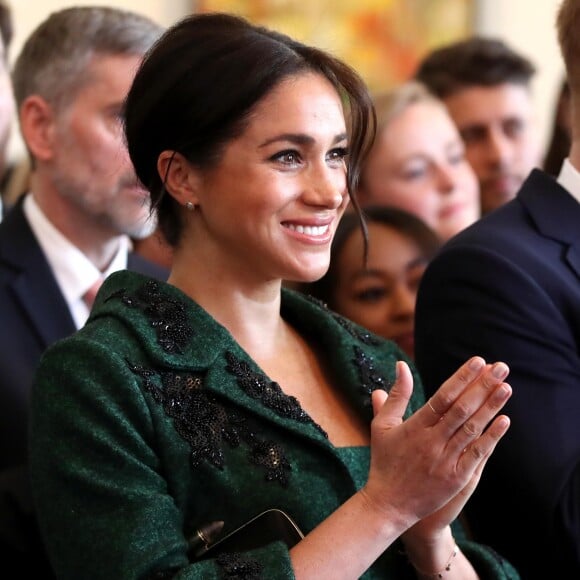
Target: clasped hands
point(425, 468)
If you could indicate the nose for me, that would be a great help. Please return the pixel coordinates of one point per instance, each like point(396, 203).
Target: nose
point(499, 148)
point(324, 187)
point(403, 302)
point(446, 180)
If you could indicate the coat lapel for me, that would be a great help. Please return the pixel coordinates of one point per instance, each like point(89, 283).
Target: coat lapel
point(555, 213)
point(203, 348)
point(33, 285)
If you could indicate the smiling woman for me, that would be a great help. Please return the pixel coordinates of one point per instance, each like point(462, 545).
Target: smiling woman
point(417, 162)
point(202, 403)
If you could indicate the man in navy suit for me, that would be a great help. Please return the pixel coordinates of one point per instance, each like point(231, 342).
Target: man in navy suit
point(74, 226)
point(508, 288)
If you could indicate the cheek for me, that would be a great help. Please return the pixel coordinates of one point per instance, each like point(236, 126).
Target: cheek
point(467, 182)
point(414, 197)
point(531, 151)
point(373, 315)
point(474, 154)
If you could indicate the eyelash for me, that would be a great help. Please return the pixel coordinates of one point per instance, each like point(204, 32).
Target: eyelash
point(340, 152)
point(337, 154)
point(372, 294)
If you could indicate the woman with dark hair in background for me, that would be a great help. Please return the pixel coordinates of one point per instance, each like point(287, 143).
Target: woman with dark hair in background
point(380, 293)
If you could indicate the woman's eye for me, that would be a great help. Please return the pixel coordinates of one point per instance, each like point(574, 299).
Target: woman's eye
point(287, 157)
point(338, 155)
point(373, 294)
point(456, 157)
point(414, 172)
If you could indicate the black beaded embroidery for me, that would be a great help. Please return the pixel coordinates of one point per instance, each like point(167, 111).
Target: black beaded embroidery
point(370, 378)
point(363, 335)
point(357, 332)
point(316, 301)
point(268, 392)
point(167, 316)
point(239, 567)
point(205, 424)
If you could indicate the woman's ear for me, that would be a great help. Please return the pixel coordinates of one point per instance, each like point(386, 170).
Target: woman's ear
point(180, 178)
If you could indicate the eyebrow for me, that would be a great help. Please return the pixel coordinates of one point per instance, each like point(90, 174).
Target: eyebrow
point(419, 261)
point(299, 139)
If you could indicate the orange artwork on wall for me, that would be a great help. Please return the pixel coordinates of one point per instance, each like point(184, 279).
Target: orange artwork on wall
point(382, 39)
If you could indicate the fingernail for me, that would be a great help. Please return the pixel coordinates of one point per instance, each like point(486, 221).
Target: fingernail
point(499, 370)
point(476, 363)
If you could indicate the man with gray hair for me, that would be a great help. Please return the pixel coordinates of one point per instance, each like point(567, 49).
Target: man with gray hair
point(74, 226)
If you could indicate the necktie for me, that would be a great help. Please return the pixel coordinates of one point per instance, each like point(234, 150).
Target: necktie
point(89, 295)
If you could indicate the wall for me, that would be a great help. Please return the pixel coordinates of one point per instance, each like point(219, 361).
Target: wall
point(527, 25)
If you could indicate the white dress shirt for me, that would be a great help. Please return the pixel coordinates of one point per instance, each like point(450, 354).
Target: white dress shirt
point(569, 179)
point(73, 271)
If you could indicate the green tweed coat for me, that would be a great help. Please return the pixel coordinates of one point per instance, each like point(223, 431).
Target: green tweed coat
point(152, 421)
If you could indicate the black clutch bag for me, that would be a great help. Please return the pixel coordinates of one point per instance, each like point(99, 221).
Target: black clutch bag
point(270, 526)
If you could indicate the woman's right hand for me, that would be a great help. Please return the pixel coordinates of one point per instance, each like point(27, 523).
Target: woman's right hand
point(432, 461)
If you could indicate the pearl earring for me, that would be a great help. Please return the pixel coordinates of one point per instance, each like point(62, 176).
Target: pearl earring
point(190, 206)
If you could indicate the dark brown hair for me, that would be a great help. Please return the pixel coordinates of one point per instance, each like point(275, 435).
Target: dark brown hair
point(196, 88)
point(475, 61)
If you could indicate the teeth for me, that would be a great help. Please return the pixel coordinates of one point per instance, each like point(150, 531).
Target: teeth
point(308, 230)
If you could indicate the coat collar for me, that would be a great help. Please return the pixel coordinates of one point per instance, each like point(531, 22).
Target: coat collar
point(555, 213)
point(178, 336)
point(32, 282)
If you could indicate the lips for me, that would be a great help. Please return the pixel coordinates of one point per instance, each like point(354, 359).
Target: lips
point(451, 210)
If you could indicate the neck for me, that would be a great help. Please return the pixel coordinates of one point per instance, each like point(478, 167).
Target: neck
point(250, 312)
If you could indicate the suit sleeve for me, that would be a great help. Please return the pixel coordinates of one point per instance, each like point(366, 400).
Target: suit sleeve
point(474, 301)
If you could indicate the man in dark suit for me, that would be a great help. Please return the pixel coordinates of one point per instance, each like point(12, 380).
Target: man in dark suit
point(74, 226)
point(508, 288)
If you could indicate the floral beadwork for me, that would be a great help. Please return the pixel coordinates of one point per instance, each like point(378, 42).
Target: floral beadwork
point(268, 392)
point(167, 316)
point(363, 335)
point(236, 566)
point(370, 378)
point(205, 424)
point(356, 331)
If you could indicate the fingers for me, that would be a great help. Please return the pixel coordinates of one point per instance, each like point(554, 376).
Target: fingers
point(454, 386)
point(393, 407)
point(471, 417)
point(468, 423)
point(459, 398)
point(478, 403)
point(480, 449)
